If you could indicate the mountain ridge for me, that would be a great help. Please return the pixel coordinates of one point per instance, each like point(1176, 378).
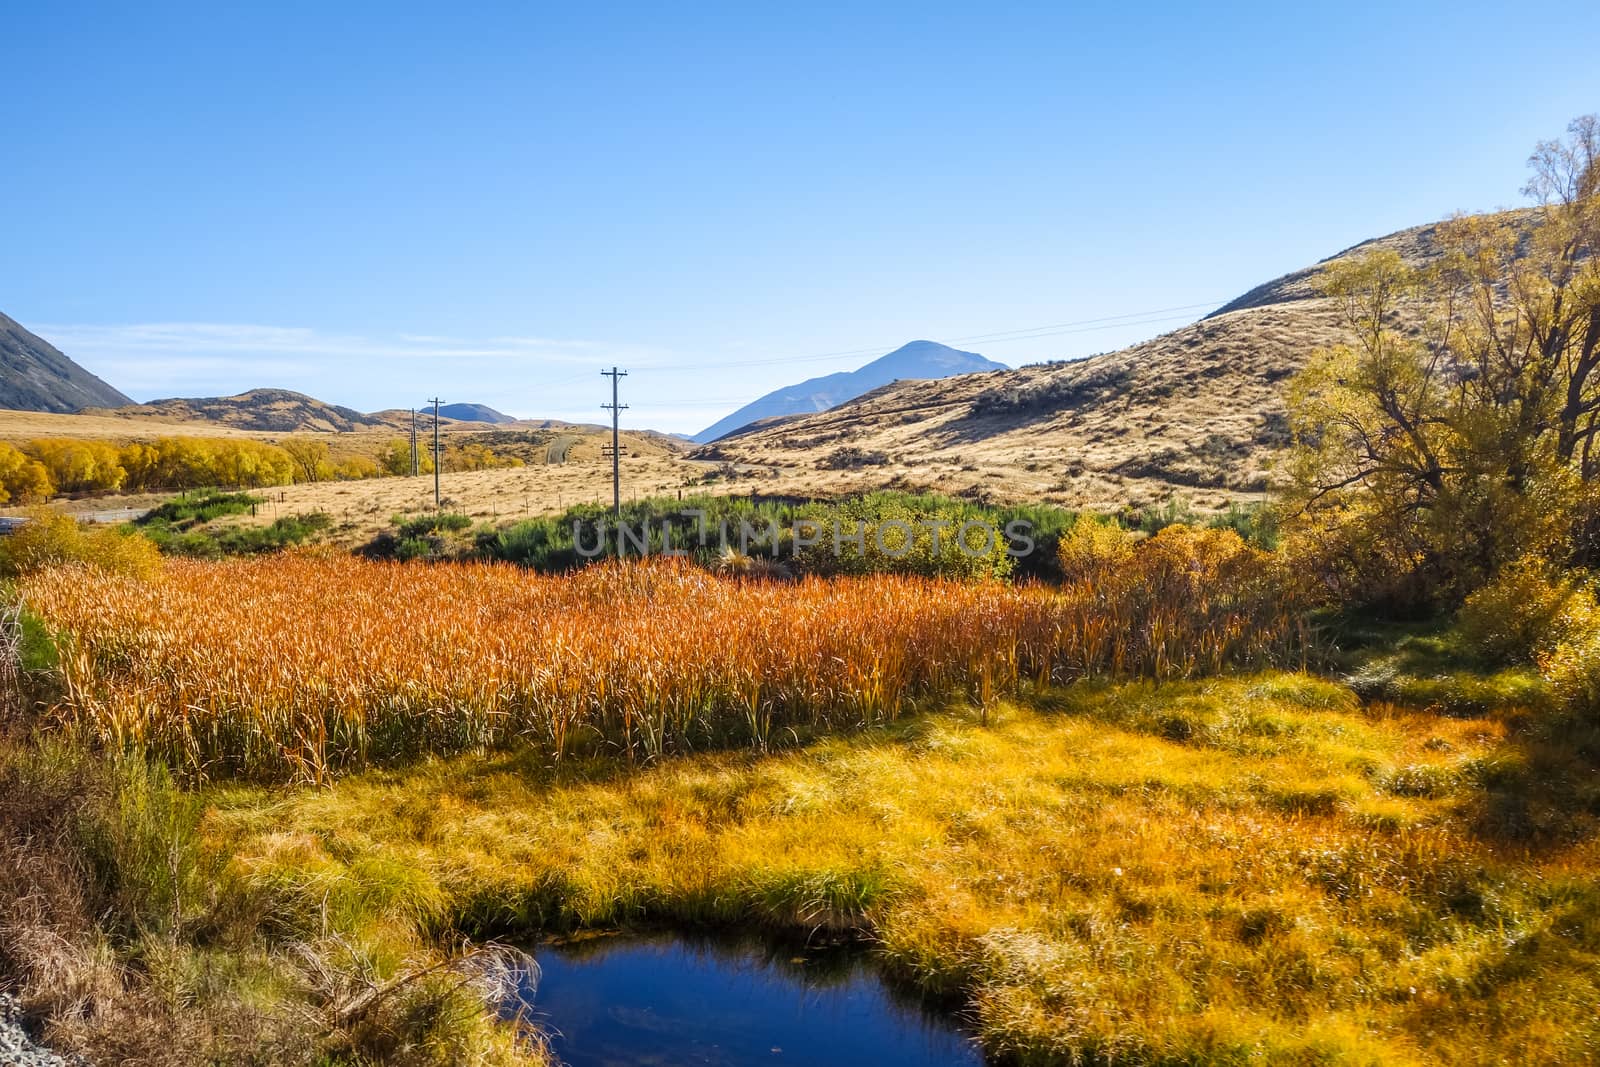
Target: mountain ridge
point(267, 409)
point(1196, 413)
point(913, 360)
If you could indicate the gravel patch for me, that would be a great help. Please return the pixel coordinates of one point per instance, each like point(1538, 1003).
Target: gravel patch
point(17, 1049)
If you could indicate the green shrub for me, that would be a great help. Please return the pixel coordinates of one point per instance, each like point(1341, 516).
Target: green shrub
point(193, 511)
point(201, 543)
point(552, 544)
point(424, 525)
point(543, 545)
point(1175, 512)
point(1256, 523)
point(411, 548)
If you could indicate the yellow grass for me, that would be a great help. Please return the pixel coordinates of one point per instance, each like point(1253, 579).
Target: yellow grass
point(1275, 888)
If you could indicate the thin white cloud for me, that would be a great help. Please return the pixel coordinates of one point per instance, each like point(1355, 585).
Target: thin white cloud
point(173, 338)
point(525, 375)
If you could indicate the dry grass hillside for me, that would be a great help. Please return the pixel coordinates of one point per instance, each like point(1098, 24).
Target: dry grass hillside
point(1196, 413)
point(270, 410)
point(572, 470)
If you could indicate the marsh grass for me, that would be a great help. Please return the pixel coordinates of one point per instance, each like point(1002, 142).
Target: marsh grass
point(129, 944)
point(1288, 878)
point(304, 667)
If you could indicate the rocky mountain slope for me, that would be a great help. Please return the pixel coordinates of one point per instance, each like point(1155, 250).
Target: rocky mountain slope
point(919, 359)
point(1196, 413)
point(36, 376)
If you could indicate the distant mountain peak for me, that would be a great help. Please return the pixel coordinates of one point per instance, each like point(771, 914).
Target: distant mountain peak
point(474, 413)
point(918, 359)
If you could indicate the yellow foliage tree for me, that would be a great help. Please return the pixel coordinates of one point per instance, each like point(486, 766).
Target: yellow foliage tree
point(23, 479)
point(1424, 462)
point(310, 458)
point(79, 466)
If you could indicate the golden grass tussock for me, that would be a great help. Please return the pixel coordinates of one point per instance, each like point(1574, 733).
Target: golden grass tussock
point(299, 667)
point(1222, 871)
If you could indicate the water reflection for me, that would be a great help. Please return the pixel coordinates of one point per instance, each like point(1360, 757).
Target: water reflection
point(670, 1001)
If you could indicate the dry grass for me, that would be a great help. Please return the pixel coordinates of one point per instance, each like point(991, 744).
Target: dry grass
point(128, 949)
point(364, 508)
point(27, 425)
point(1241, 869)
point(301, 666)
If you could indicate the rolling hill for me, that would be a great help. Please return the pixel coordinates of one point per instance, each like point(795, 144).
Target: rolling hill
point(272, 410)
point(919, 359)
point(36, 376)
point(1196, 413)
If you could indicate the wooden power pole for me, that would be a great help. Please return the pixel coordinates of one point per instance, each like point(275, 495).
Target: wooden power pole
point(435, 403)
point(415, 467)
point(616, 451)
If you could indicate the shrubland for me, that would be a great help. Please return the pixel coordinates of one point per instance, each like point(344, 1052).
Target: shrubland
point(185, 527)
point(50, 539)
point(1318, 783)
point(757, 535)
point(779, 535)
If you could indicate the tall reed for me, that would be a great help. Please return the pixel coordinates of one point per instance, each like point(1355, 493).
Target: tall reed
point(301, 666)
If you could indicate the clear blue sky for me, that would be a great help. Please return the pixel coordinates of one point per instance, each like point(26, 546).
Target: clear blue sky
point(378, 203)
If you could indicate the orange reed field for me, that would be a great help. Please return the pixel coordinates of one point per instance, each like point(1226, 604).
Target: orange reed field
point(298, 666)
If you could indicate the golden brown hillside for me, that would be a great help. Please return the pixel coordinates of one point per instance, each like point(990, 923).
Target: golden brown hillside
point(1196, 413)
point(276, 410)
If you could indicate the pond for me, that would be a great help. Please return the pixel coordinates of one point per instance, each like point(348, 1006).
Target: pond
point(671, 1001)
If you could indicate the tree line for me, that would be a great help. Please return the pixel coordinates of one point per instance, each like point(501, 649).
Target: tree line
point(37, 470)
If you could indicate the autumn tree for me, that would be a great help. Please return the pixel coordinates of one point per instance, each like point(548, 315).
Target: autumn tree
point(79, 466)
point(23, 479)
point(310, 458)
point(396, 458)
point(1456, 430)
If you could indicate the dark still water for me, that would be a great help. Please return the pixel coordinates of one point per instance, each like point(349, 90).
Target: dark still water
point(672, 1002)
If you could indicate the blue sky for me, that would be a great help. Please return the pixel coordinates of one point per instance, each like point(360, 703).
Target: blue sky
point(379, 203)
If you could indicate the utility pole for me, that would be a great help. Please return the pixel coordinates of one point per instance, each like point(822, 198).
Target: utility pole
point(415, 468)
point(435, 403)
point(616, 452)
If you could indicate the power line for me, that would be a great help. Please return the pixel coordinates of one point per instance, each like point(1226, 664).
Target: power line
point(1053, 332)
point(1148, 317)
point(616, 409)
point(1107, 322)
